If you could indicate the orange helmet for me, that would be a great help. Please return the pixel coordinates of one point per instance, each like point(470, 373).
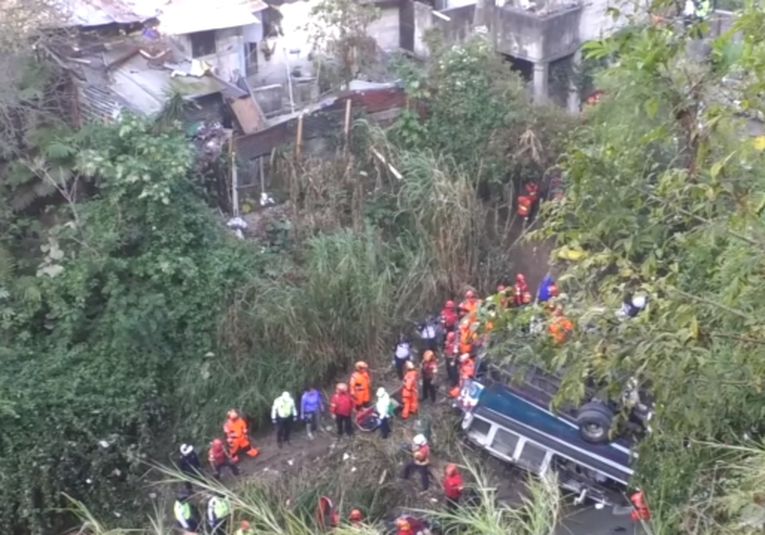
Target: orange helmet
point(470, 294)
point(450, 469)
point(450, 335)
point(342, 387)
point(428, 355)
point(449, 304)
point(355, 515)
point(402, 523)
point(244, 524)
point(233, 415)
point(217, 443)
point(361, 365)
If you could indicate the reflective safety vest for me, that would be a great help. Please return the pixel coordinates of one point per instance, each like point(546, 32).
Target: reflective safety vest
point(217, 509)
point(283, 407)
point(182, 512)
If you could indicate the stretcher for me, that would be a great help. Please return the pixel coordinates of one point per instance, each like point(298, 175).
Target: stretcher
point(367, 421)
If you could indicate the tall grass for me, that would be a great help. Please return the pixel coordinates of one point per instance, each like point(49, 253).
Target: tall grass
point(286, 505)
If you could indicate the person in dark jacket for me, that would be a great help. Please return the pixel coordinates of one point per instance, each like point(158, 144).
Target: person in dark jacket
point(188, 463)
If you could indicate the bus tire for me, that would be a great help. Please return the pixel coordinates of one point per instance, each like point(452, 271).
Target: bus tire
point(595, 420)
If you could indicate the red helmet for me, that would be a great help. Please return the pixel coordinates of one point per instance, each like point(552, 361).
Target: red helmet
point(451, 468)
point(501, 288)
point(450, 335)
point(217, 443)
point(520, 278)
point(449, 304)
point(355, 515)
point(470, 294)
point(244, 524)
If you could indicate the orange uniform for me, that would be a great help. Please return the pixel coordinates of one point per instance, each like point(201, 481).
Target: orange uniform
point(524, 206)
point(237, 436)
point(560, 326)
point(467, 336)
point(409, 393)
point(640, 511)
point(361, 387)
point(521, 293)
point(470, 304)
point(467, 371)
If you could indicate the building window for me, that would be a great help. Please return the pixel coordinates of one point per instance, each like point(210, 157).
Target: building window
point(202, 43)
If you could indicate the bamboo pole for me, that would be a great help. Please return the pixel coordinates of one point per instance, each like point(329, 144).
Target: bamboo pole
point(347, 124)
point(299, 139)
point(393, 170)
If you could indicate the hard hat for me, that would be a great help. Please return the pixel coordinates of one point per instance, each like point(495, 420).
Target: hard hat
point(501, 288)
point(186, 449)
point(244, 524)
point(520, 278)
point(355, 514)
point(450, 469)
point(449, 304)
point(420, 440)
point(470, 294)
point(428, 355)
point(409, 365)
point(464, 357)
point(361, 365)
point(232, 414)
point(381, 392)
point(450, 335)
point(286, 395)
point(639, 301)
point(402, 523)
point(217, 443)
point(342, 387)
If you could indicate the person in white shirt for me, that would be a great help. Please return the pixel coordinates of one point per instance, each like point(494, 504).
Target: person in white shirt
point(402, 355)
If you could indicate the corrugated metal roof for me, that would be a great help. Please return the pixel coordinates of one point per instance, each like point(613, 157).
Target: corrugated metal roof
point(89, 13)
point(190, 17)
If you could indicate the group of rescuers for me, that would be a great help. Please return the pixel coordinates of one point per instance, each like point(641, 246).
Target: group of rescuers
point(351, 399)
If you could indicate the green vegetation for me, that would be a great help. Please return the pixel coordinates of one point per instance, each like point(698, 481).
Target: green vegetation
point(132, 319)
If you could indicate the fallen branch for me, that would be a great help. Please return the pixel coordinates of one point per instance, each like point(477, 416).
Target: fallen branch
point(392, 169)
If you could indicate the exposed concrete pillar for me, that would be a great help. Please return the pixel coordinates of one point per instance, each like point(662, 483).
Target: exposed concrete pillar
point(541, 82)
point(574, 96)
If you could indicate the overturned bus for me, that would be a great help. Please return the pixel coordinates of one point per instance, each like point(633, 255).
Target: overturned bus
point(507, 412)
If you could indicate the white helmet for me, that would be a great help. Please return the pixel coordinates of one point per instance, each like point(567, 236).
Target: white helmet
point(186, 449)
point(639, 301)
point(381, 392)
point(420, 440)
point(286, 395)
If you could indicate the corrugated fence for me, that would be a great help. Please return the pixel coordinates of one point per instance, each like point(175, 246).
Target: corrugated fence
point(377, 104)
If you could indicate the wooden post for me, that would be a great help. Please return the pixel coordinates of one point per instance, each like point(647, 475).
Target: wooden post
point(299, 139)
point(347, 125)
point(234, 179)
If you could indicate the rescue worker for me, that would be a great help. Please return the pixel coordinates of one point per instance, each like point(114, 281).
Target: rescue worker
point(525, 204)
point(532, 191)
point(382, 408)
point(218, 513)
point(283, 413)
point(408, 525)
point(504, 301)
point(449, 316)
point(451, 354)
point(453, 486)
point(341, 407)
point(631, 306)
point(244, 529)
point(311, 407)
point(640, 511)
point(467, 336)
point(409, 394)
point(356, 517)
point(189, 465)
point(467, 371)
point(219, 458)
point(420, 461)
point(560, 326)
point(361, 385)
point(428, 370)
point(237, 436)
point(186, 516)
point(547, 289)
point(470, 304)
point(521, 294)
point(402, 354)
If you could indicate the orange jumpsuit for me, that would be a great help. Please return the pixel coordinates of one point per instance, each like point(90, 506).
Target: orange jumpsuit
point(409, 394)
point(467, 337)
point(238, 438)
point(469, 306)
point(360, 388)
point(467, 371)
point(560, 328)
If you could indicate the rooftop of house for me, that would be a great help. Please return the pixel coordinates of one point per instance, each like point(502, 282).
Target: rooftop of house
point(193, 15)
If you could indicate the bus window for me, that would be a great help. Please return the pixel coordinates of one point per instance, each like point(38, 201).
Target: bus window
point(505, 443)
point(479, 427)
point(532, 457)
